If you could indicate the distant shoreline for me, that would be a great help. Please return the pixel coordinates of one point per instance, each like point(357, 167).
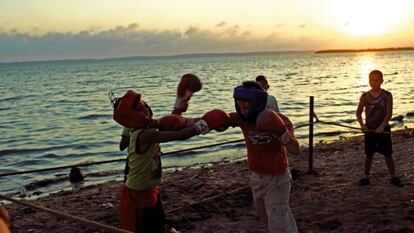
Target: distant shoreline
point(364, 50)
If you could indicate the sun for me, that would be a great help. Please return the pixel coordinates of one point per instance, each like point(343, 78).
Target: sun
point(367, 17)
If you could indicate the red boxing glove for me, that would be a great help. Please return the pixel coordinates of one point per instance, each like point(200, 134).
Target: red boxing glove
point(188, 85)
point(270, 121)
point(217, 119)
point(171, 122)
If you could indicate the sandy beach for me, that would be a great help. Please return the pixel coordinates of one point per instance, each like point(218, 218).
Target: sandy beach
point(218, 198)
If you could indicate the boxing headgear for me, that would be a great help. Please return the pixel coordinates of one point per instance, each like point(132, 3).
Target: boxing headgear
point(126, 112)
point(257, 98)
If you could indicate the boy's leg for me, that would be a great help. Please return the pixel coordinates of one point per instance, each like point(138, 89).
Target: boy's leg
point(390, 164)
point(127, 212)
point(259, 191)
point(280, 217)
point(367, 165)
point(369, 148)
point(153, 218)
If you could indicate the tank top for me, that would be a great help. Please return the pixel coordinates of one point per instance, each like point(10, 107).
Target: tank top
point(145, 170)
point(375, 109)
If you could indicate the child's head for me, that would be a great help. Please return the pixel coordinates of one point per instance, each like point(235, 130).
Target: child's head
point(142, 107)
point(131, 111)
point(261, 79)
point(375, 78)
point(250, 100)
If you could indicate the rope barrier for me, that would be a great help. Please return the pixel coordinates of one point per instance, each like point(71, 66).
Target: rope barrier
point(85, 222)
point(169, 153)
point(164, 154)
point(115, 160)
point(218, 196)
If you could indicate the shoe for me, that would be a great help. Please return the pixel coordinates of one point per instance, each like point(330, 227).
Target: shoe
point(364, 182)
point(396, 182)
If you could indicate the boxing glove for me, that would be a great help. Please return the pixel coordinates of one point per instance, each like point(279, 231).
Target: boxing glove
point(270, 121)
point(188, 85)
point(171, 122)
point(217, 120)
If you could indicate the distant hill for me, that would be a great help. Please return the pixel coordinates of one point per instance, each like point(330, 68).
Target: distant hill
point(364, 50)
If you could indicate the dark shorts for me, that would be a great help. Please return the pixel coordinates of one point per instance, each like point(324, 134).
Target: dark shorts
point(378, 142)
point(151, 220)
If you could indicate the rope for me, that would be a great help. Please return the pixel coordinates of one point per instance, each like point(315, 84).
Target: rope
point(87, 223)
point(218, 196)
point(115, 160)
point(123, 159)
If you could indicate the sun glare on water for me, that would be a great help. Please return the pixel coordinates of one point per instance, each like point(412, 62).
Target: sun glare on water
point(367, 17)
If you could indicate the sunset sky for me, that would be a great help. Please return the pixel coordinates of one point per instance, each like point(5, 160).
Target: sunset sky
point(71, 29)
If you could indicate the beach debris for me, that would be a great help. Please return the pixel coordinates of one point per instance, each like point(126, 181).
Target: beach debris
point(409, 114)
point(398, 118)
point(76, 175)
point(108, 205)
point(341, 138)
point(22, 192)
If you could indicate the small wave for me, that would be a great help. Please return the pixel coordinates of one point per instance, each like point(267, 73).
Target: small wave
point(330, 133)
point(30, 150)
point(95, 116)
point(45, 182)
point(348, 121)
point(291, 74)
point(410, 114)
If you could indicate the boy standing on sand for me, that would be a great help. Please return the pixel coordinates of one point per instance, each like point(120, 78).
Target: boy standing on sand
point(378, 112)
point(268, 135)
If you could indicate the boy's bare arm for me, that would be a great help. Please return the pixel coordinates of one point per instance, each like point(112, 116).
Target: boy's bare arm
point(123, 144)
point(154, 136)
point(293, 146)
point(358, 113)
point(387, 116)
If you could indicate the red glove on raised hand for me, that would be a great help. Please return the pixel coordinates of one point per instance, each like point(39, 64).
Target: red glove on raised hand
point(217, 119)
point(172, 122)
point(270, 121)
point(188, 85)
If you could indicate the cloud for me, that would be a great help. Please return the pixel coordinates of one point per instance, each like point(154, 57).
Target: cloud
point(221, 24)
point(132, 40)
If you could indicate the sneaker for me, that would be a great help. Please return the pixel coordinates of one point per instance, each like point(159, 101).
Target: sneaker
point(397, 182)
point(364, 182)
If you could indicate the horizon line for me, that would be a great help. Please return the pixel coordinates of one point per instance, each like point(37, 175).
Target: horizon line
point(192, 55)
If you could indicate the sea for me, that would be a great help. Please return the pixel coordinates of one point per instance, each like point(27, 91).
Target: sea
point(57, 113)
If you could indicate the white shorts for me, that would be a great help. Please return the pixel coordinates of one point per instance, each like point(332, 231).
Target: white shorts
point(271, 197)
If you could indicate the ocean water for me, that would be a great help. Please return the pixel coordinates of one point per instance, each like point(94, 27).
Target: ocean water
point(58, 113)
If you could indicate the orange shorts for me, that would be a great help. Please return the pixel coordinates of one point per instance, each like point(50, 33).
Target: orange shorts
point(141, 210)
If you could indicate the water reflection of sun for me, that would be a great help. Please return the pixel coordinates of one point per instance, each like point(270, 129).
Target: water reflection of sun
point(366, 65)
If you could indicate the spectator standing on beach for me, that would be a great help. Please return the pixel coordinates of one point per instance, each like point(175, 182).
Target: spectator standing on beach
point(140, 205)
point(271, 100)
point(267, 135)
point(4, 220)
point(378, 104)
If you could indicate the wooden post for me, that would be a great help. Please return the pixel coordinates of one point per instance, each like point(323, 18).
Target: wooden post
point(311, 134)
